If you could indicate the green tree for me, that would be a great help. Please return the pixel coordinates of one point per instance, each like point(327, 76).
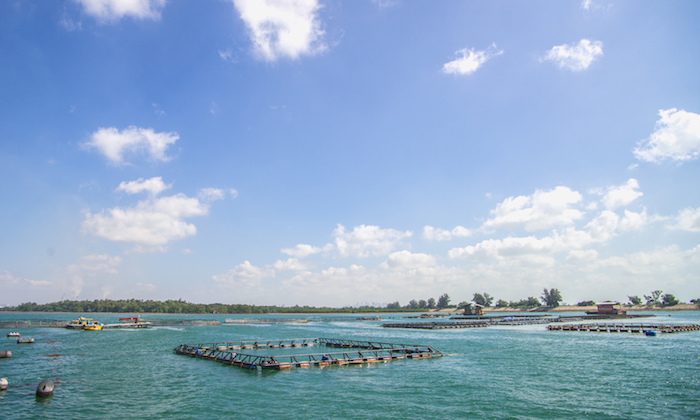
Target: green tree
point(669, 300)
point(463, 304)
point(422, 304)
point(395, 305)
point(586, 303)
point(443, 301)
point(501, 303)
point(654, 298)
point(431, 303)
point(483, 300)
point(551, 298)
point(412, 304)
point(634, 300)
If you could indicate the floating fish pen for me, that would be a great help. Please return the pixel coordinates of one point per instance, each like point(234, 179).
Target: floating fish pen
point(33, 323)
point(436, 325)
point(267, 321)
point(353, 352)
point(626, 328)
point(183, 322)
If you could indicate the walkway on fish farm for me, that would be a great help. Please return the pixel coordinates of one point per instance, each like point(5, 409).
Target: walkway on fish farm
point(626, 328)
point(353, 352)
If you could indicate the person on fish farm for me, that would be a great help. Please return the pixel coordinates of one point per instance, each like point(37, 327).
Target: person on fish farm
point(325, 357)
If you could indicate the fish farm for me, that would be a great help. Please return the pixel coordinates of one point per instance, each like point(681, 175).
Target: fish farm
point(350, 352)
point(627, 328)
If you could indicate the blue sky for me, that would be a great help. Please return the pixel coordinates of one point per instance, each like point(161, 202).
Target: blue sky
point(342, 152)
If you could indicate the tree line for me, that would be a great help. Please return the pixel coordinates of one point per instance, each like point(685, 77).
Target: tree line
point(550, 298)
point(181, 307)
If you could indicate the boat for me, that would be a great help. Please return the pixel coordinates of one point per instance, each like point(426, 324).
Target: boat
point(83, 323)
point(93, 326)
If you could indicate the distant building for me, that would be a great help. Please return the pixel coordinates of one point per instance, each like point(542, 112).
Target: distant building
point(609, 308)
point(474, 309)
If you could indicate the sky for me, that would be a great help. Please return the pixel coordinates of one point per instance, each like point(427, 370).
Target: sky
point(336, 153)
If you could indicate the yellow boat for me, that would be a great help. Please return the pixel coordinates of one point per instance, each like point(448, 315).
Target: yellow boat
point(83, 323)
point(94, 326)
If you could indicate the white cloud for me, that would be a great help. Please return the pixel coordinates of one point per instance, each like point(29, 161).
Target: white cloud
point(212, 194)
point(634, 221)
point(688, 219)
point(603, 227)
point(582, 255)
point(97, 263)
point(301, 250)
point(501, 248)
point(282, 28)
point(676, 137)
point(622, 195)
point(114, 144)
point(366, 240)
point(153, 186)
point(542, 210)
point(145, 287)
point(292, 264)
point(407, 260)
point(586, 4)
point(111, 10)
point(8, 280)
point(575, 57)
point(155, 221)
point(470, 60)
point(436, 234)
point(244, 275)
point(228, 56)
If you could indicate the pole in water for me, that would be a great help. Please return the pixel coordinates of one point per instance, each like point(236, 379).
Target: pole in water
point(3, 384)
point(45, 388)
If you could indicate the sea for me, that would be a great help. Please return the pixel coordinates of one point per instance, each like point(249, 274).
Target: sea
point(499, 372)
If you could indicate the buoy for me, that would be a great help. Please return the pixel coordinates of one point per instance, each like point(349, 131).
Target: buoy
point(45, 388)
point(5, 354)
point(3, 384)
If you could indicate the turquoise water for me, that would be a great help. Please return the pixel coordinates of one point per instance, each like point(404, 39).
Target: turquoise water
point(523, 372)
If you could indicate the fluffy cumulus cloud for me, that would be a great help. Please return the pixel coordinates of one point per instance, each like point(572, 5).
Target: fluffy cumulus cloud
point(244, 275)
point(469, 60)
point(115, 144)
point(542, 210)
point(676, 137)
point(408, 260)
point(436, 234)
point(575, 57)
point(622, 195)
point(688, 220)
point(112, 10)
point(500, 248)
point(291, 264)
point(364, 241)
point(153, 222)
point(282, 28)
point(301, 251)
point(153, 186)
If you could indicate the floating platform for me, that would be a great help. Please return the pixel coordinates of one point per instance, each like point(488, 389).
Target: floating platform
point(266, 321)
point(435, 325)
point(626, 328)
point(353, 353)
